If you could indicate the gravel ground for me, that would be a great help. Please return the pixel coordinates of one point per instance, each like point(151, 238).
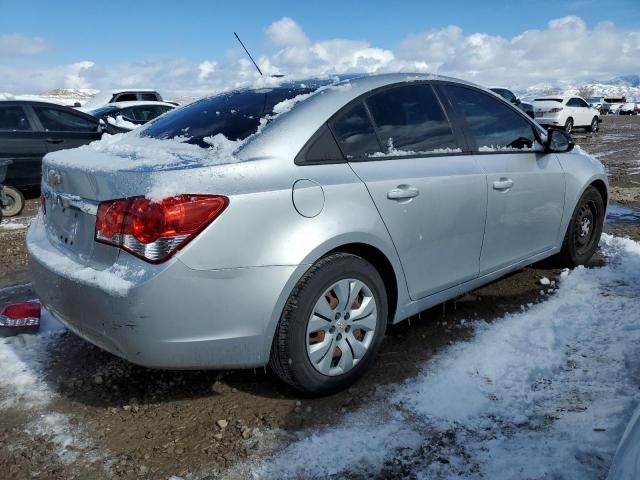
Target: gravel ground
point(102, 417)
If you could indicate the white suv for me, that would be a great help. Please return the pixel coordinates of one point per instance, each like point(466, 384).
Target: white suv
point(566, 112)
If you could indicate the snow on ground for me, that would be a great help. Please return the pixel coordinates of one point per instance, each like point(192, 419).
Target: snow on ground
point(19, 223)
point(545, 393)
point(23, 359)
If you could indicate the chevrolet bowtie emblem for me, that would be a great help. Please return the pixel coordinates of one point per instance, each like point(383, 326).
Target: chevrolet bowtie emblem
point(53, 178)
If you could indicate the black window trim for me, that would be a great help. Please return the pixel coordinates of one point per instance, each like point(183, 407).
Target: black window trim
point(466, 129)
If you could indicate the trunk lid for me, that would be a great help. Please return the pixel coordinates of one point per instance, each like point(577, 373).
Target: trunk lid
point(75, 182)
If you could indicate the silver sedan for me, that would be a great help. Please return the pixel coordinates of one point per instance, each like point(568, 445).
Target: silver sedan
point(290, 225)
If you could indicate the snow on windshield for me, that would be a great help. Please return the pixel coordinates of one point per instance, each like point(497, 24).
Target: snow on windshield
point(544, 393)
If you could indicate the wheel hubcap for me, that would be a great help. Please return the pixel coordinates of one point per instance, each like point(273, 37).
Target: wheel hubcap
point(341, 327)
point(584, 227)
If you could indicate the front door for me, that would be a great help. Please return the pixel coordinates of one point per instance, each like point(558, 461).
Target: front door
point(526, 187)
point(23, 144)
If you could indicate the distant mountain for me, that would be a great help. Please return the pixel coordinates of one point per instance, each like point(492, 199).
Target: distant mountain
point(626, 80)
point(625, 87)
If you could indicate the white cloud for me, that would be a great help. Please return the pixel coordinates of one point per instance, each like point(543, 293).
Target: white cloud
point(286, 32)
point(15, 44)
point(566, 50)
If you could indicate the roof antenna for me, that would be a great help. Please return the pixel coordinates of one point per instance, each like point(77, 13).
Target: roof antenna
point(247, 51)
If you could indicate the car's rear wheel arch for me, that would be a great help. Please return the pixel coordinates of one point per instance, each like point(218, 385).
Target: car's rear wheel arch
point(382, 264)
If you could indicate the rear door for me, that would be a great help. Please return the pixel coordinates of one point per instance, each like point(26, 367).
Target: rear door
point(525, 186)
point(23, 143)
point(430, 195)
point(66, 128)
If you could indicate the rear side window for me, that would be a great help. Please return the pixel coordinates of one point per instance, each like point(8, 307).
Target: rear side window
point(127, 97)
point(354, 132)
point(495, 126)
point(410, 121)
point(55, 119)
point(13, 119)
point(149, 97)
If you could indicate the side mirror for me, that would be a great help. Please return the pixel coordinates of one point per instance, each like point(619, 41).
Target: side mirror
point(102, 127)
point(558, 141)
point(517, 101)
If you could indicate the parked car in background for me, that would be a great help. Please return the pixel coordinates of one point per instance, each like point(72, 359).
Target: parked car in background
point(509, 96)
point(130, 115)
point(614, 108)
point(629, 108)
point(595, 102)
point(604, 108)
point(122, 95)
point(28, 131)
point(372, 203)
point(566, 112)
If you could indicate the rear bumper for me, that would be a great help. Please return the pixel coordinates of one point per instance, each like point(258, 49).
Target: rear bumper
point(167, 316)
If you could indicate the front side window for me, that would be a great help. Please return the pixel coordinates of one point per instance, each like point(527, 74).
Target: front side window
point(410, 121)
point(14, 119)
point(495, 126)
point(354, 132)
point(56, 119)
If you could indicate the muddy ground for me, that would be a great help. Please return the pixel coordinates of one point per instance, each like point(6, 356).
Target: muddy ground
point(131, 422)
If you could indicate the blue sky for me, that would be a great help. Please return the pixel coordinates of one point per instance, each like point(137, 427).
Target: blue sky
point(116, 30)
point(188, 48)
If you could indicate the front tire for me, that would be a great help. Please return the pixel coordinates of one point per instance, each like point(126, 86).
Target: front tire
point(583, 234)
point(331, 326)
point(568, 125)
point(595, 125)
point(15, 202)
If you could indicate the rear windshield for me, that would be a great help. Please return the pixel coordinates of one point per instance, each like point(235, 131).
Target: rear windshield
point(548, 100)
point(236, 115)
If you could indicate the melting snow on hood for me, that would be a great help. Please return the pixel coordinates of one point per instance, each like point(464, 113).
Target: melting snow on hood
point(545, 393)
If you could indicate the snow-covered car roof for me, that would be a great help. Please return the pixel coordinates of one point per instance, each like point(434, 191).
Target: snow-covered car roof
point(138, 103)
point(103, 96)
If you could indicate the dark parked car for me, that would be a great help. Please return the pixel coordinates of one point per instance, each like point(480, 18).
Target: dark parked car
point(509, 96)
point(29, 130)
point(129, 115)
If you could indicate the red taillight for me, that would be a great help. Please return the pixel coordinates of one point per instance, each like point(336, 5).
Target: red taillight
point(20, 315)
point(154, 231)
point(555, 110)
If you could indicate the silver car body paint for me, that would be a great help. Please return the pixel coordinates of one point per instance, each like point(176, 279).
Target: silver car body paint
point(217, 302)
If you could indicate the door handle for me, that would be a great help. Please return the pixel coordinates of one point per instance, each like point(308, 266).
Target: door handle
point(55, 140)
point(503, 184)
point(403, 192)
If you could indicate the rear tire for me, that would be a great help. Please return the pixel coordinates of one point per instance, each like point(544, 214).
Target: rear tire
point(15, 202)
point(319, 320)
point(583, 234)
point(568, 125)
point(595, 125)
